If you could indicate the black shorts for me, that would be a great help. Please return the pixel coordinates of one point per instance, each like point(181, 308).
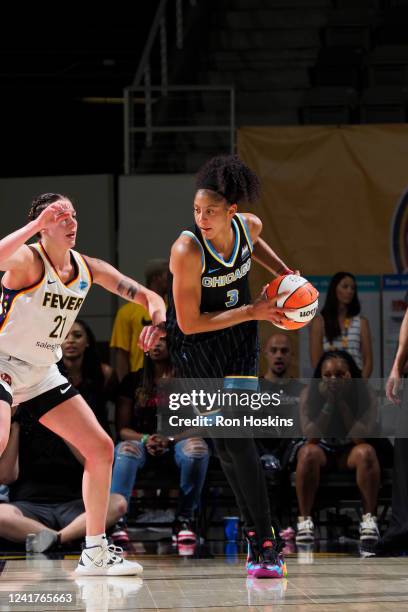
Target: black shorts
point(41, 404)
point(227, 353)
point(54, 516)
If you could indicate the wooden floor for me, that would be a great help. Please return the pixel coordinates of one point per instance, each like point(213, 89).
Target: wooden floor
point(316, 582)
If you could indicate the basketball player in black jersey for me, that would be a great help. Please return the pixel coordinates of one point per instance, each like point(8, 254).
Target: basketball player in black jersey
point(212, 327)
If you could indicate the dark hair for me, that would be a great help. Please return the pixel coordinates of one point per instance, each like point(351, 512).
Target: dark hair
point(148, 373)
point(41, 202)
point(338, 354)
point(91, 365)
point(329, 310)
point(356, 391)
point(230, 178)
point(155, 268)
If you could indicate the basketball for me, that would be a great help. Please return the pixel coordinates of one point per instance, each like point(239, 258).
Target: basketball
point(302, 296)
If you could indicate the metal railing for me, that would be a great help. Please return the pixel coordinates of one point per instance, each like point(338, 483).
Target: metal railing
point(141, 90)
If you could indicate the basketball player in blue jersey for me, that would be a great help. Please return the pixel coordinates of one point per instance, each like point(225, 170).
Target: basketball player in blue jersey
point(43, 288)
point(212, 327)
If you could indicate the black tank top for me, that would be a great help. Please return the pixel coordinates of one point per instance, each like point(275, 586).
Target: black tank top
point(224, 284)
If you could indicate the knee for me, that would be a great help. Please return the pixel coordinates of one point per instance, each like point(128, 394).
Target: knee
point(130, 448)
point(8, 516)
point(365, 456)
point(101, 450)
point(194, 448)
point(310, 455)
point(119, 506)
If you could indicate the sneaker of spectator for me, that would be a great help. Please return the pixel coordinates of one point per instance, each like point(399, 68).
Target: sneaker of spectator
point(186, 550)
point(183, 532)
point(305, 529)
point(287, 534)
point(120, 532)
point(41, 541)
point(369, 528)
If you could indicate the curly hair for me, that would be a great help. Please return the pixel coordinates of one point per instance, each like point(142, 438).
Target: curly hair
point(230, 178)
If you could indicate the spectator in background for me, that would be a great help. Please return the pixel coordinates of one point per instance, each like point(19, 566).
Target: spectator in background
point(276, 450)
point(45, 481)
point(278, 354)
point(340, 325)
point(97, 382)
point(139, 397)
point(337, 401)
point(131, 318)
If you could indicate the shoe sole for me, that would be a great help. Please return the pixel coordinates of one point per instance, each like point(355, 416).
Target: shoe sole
point(372, 538)
point(305, 538)
point(104, 571)
point(263, 572)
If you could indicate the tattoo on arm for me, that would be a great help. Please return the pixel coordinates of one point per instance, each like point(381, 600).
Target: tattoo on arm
point(127, 289)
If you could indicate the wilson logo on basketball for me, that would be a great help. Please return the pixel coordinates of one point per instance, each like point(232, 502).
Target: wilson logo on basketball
point(308, 313)
point(6, 378)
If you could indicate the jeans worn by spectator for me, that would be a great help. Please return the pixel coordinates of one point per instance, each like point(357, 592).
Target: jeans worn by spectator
point(191, 460)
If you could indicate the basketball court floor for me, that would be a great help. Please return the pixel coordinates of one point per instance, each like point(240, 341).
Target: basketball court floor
point(211, 579)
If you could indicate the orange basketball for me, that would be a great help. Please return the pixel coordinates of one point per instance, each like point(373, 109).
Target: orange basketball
point(301, 295)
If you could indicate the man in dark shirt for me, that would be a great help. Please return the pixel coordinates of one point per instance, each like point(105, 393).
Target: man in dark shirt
point(278, 354)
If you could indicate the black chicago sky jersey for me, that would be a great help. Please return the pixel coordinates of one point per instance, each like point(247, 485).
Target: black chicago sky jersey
point(224, 284)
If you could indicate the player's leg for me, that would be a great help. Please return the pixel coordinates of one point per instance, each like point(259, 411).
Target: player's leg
point(5, 413)
point(75, 422)
point(5, 417)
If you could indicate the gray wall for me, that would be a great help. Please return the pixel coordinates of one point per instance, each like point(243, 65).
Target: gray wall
point(153, 209)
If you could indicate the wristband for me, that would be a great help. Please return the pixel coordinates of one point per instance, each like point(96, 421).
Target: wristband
point(144, 438)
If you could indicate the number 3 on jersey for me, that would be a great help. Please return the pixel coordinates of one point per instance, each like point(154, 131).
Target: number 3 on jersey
point(233, 296)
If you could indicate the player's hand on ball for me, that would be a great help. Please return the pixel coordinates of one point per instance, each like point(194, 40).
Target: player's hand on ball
point(151, 335)
point(264, 309)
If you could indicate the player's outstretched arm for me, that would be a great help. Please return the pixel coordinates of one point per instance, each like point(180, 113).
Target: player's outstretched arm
point(185, 265)
point(263, 254)
point(114, 281)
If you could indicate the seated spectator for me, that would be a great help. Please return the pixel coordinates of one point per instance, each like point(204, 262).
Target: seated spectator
point(340, 325)
point(337, 400)
point(97, 382)
point(131, 318)
point(45, 481)
point(276, 451)
point(141, 445)
point(46, 475)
